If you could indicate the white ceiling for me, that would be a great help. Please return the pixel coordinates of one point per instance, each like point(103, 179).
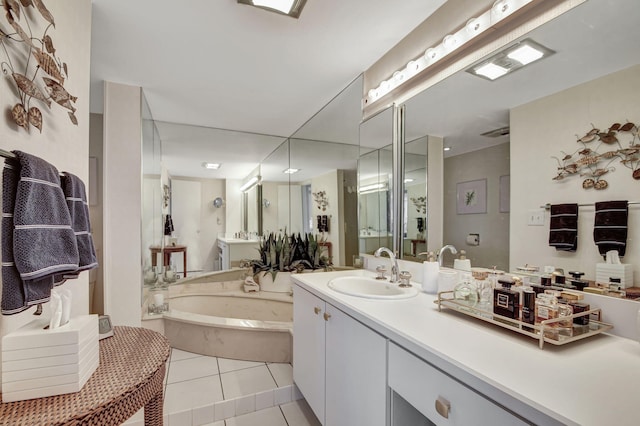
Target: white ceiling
point(216, 63)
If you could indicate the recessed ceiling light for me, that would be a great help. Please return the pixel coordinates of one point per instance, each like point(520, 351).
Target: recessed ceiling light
point(447, 148)
point(491, 71)
point(212, 166)
point(407, 180)
point(291, 8)
point(290, 171)
point(525, 54)
point(510, 59)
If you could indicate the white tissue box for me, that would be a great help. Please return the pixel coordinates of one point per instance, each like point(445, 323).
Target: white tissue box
point(37, 362)
point(624, 271)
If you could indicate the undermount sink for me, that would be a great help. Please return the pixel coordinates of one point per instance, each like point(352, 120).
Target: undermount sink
point(371, 288)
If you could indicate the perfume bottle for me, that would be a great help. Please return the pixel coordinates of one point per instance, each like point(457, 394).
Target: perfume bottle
point(579, 307)
point(505, 300)
point(546, 307)
point(466, 291)
point(528, 307)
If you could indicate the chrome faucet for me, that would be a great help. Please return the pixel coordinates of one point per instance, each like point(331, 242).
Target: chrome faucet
point(451, 248)
point(394, 263)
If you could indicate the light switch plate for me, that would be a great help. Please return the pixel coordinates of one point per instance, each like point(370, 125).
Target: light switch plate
point(535, 217)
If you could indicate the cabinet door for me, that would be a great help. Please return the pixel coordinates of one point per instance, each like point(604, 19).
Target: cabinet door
point(356, 392)
point(309, 348)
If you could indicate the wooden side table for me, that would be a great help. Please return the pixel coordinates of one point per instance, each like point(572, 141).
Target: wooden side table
point(168, 250)
point(414, 244)
point(130, 376)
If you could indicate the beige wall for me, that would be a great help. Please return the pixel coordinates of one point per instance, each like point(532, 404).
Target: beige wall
point(329, 183)
point(96, 213)
point(493, 226)
point(61, 143)
point(544, 128)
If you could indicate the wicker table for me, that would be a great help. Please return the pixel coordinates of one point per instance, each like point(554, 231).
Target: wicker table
point(130, 376)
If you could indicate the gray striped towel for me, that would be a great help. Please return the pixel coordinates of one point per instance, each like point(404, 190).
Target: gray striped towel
point(76, 198)
point(38, 241)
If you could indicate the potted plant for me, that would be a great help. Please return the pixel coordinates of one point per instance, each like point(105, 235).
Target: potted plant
point(282, 254)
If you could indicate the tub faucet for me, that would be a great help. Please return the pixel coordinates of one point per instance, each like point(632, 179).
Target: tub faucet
point(451, 248)
point(394, 263)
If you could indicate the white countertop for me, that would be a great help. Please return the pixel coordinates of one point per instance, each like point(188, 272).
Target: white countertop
point(595, 381)
point(237, 240)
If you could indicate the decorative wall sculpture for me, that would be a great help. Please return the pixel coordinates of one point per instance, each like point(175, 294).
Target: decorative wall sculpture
point(32, 63)
point(589, 163)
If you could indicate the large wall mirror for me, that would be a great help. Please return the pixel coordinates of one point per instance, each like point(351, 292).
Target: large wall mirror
point(375, 182)
point(505, 140)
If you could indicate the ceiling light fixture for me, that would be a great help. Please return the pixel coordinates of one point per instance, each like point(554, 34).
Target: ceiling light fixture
point(211, 166)
point(510, 59)
point(447, 148)
point(452, 42)
point(250, 183)
point(290, 171)
point(408, 180)
point(291, 8)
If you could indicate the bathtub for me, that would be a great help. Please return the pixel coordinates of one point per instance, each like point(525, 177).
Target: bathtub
point(212, 315)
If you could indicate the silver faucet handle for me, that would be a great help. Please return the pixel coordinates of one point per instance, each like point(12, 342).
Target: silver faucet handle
point(380, 269)
point(405, 278)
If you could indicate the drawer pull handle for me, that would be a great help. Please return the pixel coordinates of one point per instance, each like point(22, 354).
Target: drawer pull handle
point(316, 310)
point(443, 407)
point(327, 316)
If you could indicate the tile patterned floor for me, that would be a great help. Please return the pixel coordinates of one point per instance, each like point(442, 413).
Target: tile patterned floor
point(211, 391)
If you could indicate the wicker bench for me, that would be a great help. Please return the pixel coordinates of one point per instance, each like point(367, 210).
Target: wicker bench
point(130, 376)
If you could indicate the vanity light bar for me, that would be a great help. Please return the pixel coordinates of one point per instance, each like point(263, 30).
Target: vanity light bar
point(372, 188)
point(474, 27)
point(250, 183)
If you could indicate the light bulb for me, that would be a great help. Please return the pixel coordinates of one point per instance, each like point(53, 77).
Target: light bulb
point(450, 42)
point(398, 76)
point(373, 93)
point(431, 54)
point(413, 66)
point(501, 7)
point(473, 25)
point(384, 86)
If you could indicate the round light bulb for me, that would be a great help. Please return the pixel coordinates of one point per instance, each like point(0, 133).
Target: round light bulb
point(450, 42)
point(373, 93)
point(500, 7)
point(473, 25)
point(413, 66)
point(384, 86)
point(398, 76)
point(431, 54)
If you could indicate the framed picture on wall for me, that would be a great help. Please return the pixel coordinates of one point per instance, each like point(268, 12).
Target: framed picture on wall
point(471, 197)
point(505, 193)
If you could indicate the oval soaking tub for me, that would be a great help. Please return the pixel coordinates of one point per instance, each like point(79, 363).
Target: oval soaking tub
point(218, 318)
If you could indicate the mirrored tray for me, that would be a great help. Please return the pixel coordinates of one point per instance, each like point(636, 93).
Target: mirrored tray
point(547, 331)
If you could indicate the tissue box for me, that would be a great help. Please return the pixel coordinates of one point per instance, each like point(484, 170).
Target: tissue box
point(37, 362)
point(605, 271)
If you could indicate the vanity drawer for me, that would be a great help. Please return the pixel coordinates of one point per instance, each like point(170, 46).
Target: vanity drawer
point(429, 390)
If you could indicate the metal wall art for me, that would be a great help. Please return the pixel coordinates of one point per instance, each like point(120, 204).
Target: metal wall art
point(420, 203)
point(32, 63)
point(597, 152)
point(321, 200)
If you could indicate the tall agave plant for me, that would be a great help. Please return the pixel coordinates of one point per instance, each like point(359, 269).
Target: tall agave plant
point(286, 253)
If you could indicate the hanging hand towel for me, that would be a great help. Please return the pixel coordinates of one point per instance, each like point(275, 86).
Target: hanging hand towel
point(610, 226)
point(42, 240)
point(563, 227)
point(16, 295)
point(76, 197)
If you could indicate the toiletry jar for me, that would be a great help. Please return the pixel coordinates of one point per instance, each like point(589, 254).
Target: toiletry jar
point(37, 362)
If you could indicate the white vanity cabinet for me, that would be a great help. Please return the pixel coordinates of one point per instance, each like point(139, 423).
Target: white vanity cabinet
point(440, 398)
point(233, 250)
point(339, 364)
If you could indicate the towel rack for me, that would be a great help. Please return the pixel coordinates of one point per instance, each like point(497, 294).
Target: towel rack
point(6, 154)
point(548, 205)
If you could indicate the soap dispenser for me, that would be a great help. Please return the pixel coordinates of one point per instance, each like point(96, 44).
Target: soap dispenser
point(430, 270)
point(462, 263)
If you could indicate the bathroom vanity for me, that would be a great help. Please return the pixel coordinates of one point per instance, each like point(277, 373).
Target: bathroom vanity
point(233, 250)
point(448, 369)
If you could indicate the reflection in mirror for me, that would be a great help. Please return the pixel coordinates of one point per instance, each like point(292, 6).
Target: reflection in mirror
point(275, 200)
point(505, 132)
point(323, 164)
point(152, 200)
point(375, 172)
point(415, 198)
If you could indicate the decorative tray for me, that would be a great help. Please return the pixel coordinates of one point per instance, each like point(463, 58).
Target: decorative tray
point(547, 331)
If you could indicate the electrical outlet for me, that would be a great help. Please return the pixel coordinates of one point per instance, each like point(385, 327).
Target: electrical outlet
point(535, 217)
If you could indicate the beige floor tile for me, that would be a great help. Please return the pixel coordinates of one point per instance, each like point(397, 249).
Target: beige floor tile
point(282, 373)
point(299, 413)
point(269, 417)
point(227, 365)
point(192, 393)
point(245, 382)
point(192, 368)
point(179, 355)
